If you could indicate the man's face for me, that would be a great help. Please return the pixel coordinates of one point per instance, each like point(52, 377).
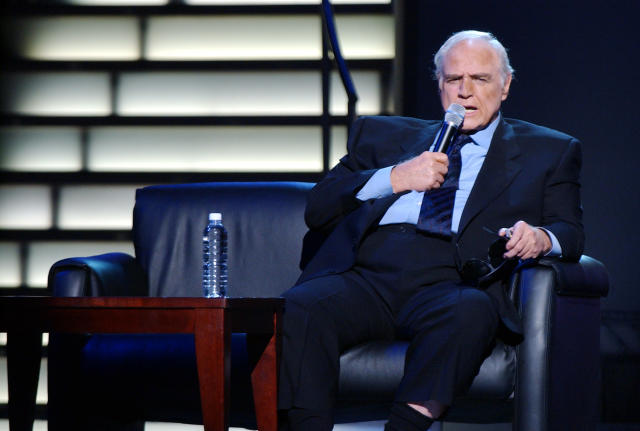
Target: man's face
point(472, 77)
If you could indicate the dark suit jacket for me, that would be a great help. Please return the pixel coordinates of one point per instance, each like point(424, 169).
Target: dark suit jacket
point(530, 173)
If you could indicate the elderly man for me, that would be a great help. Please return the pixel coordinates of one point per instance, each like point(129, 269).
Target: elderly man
point(400, 220)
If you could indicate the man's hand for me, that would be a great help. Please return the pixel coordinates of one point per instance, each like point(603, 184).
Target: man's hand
point(423, 172)
point(525, 241)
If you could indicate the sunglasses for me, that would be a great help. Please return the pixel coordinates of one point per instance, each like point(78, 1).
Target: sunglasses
point(482, 272)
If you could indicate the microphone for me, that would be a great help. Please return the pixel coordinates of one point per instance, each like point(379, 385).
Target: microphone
point(452, 120)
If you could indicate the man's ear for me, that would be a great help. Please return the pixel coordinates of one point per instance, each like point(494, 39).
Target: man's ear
point(506, 86)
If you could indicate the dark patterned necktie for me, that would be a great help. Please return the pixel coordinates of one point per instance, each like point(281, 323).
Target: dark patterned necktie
point(437, 204)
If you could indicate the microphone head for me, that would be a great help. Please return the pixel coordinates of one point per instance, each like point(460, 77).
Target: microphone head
point(454, 115)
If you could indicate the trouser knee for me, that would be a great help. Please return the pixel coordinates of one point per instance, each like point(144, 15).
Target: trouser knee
point(476, 315)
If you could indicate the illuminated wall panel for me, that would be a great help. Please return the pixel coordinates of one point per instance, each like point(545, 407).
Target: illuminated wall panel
point(115, 2)
point(25, 207)
point(262, 2)
point(234, 37)
point(9, 264)
point(368, 87)
point(266, 37)
point(55, 93)
point(338, 146)
point(4, 389)
point(214, 149)
point(45, 149)
point(76, 38)
point(366, 36)
point(220, 93)
point(96, 207)
point(41, 396)
point(44, 254)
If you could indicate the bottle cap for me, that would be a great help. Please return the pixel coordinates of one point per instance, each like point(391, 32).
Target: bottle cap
point(215, 216)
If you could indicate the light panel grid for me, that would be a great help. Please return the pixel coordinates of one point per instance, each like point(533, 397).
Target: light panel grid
point(338, 147)
point(366, 36)
point(42, 392)
point(96, 206)
point(25, 206)
point(56, 93)
point(276, 2)
point(3, 338)
point(278, 37)
point(43, 254)
point(220, 93)
point(242, 93)
point(206, 149)
point(76, 38)
point(368, 85)
point(234, 37)
point(10, 264)
point(116, 2)
point(37, 148)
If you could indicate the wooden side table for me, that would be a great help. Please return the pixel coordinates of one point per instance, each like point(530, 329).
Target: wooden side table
point(211, 321)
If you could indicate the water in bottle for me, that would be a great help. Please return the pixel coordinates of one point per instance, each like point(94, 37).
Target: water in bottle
point(214, 262)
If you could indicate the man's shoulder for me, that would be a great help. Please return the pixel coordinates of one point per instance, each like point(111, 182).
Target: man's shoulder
point(526, 130)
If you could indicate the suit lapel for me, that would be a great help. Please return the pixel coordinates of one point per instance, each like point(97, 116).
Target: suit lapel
point(424, 139)
point(498, 171)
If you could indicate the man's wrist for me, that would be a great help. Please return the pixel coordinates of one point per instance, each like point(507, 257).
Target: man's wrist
point(378, 186)
point(546, 239)
point(555, 249)
point(395, 180)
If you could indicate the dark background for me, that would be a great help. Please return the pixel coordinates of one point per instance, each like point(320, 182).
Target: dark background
point(576, 70)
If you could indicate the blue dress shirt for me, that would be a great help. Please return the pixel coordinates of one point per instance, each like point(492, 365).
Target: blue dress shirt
point(406, 208)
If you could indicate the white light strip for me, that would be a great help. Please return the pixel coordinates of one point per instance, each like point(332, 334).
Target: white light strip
point(76, 38)
point(116, 2)
point(10, 265)
point(220, 93)
point(56, 93)
point(234, 37)
point(25, 207)
point(338, 146)
point(96, 207)
point(280, 2)
point(206, 149)
point(368, 87)
point(43, 149)
point(366, 36)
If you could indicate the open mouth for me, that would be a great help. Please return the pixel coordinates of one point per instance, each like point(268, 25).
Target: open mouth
point(470, 109)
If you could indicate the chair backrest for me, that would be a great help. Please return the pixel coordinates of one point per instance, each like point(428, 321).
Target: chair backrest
point(265, 224)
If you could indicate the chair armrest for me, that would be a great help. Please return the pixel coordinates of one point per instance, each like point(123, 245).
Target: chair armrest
point(588, 277)
point(111, 274)
point(558, 361)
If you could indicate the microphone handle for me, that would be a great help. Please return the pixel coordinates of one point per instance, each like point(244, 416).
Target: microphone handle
point(447, 132)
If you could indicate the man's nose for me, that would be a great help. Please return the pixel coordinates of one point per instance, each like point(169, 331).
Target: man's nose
point(465, 88)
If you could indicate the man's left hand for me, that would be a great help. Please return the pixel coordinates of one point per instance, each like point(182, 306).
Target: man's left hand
point(526, 241)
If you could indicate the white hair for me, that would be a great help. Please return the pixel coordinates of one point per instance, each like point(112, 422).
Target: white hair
point(460, 36)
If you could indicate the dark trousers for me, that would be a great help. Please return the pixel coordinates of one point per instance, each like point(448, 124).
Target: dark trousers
point(404, 285)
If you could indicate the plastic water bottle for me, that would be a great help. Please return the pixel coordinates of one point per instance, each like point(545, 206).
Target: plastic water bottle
point(214, 258)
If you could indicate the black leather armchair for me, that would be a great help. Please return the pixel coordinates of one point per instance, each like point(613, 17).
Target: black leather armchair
point(549, 382)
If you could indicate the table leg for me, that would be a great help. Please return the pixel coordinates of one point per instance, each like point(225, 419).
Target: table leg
point(264, 377)
point(213, 347)
point(24, 351)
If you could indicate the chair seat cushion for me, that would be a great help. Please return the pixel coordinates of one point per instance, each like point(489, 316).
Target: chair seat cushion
point(372, 371)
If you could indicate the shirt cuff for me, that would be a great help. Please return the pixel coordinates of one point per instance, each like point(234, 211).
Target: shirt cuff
point(556, 249)
point(378, 186)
